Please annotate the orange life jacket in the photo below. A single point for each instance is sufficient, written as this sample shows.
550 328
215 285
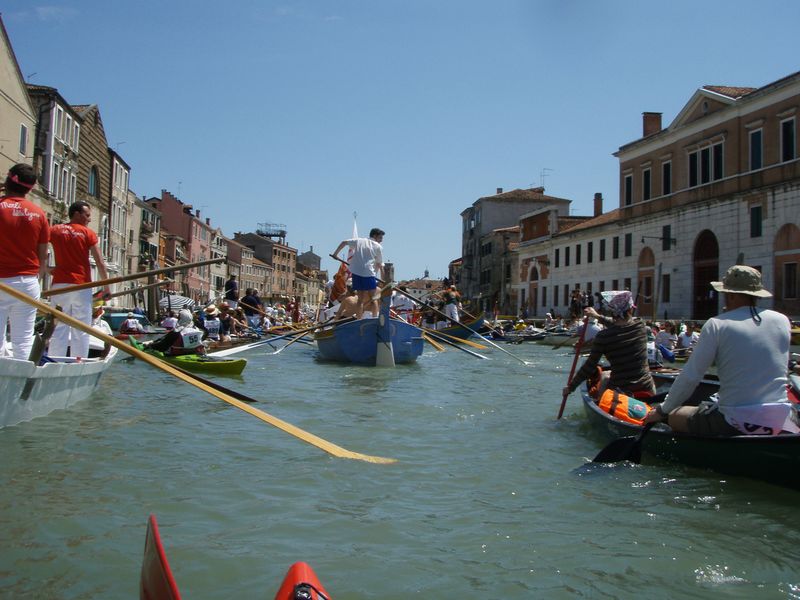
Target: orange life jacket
624 407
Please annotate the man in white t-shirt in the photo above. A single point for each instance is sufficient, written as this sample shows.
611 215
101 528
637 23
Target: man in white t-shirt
366 266
751 350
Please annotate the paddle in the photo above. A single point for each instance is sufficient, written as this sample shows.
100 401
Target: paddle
105 282
140 288
568 339
574 362
284 426
624 448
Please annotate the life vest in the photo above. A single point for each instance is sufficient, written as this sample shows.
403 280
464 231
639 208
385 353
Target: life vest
624 407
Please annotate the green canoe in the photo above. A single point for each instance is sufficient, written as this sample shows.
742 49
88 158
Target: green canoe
198 363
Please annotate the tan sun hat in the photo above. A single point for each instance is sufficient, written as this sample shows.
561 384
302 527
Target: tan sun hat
740 279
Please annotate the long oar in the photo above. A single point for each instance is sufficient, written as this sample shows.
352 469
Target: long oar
491 343
574 362
456 339
309 438
104 282
140 288
454 345
289 343
432 342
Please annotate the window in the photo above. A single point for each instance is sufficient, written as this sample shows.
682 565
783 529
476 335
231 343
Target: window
628 284
665 287
756 149
628 190
628 244
787 140
566 256
692 169
615 284
601 287
666 237
646 184
23 140
755 221
91 188
615 247
705 165
557 256
578 254
589 251
566 294
59 123
790 280
648 287
718 163
544 297
602 250
666 178
589 288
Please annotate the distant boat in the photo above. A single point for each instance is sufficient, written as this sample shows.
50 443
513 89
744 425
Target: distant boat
28 391
381 341
463 330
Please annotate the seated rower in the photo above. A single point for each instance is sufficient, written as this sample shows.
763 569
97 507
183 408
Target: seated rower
751 350
624 343
131 325
184 339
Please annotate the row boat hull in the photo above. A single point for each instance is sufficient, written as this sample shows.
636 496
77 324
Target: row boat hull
356 342
28 391
772 458
464 329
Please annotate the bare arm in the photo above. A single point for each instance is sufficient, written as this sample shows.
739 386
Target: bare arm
335 253
42 251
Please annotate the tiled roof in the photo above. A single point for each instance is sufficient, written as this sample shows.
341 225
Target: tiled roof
518 194
730 91
605 218
512 229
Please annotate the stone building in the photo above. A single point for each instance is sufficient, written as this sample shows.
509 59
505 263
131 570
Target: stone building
279 255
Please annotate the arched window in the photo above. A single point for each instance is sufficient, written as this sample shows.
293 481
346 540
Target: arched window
92 186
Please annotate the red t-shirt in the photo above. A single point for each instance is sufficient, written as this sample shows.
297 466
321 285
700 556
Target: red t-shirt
71 243
24 227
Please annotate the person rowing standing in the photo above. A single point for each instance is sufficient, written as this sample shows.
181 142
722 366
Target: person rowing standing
23 258
366 267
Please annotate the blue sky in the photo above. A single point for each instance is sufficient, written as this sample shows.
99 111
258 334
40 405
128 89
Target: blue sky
404 111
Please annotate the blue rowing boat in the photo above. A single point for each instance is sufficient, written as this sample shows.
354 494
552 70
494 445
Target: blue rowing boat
380 341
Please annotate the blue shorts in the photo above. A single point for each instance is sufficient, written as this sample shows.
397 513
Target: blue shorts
364 283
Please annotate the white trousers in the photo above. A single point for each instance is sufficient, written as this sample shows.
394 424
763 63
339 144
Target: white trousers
78 305
451 310
22 316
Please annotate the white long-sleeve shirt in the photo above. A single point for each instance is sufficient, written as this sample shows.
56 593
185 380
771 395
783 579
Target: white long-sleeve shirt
751 359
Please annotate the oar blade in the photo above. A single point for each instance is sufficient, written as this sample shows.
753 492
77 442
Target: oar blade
625 448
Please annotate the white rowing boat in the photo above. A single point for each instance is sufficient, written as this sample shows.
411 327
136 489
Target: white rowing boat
28 391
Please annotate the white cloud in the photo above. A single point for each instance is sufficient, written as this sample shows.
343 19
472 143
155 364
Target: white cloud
55 13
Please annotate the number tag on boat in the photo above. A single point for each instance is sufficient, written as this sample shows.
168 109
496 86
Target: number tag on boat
624 407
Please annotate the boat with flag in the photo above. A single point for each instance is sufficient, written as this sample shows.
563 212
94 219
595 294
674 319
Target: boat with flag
381 341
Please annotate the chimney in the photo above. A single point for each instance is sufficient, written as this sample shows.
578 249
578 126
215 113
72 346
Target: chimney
499 190
208 221
651 123
197 213
598 204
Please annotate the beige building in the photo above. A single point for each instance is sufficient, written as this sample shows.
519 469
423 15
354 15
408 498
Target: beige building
17 113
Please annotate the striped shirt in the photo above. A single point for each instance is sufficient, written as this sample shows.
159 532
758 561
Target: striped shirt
625 347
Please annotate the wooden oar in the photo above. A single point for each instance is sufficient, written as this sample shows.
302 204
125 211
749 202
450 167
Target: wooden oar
456 339
454 345
309 438
140 288
292 341
491 343
624 448
433 343
105 282
568 339
574 362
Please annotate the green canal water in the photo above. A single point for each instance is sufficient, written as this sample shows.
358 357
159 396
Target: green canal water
489 498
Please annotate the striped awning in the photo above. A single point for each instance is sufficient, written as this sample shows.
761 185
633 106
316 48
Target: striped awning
175 302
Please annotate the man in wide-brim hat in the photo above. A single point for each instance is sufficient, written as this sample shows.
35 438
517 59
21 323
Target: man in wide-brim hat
750 347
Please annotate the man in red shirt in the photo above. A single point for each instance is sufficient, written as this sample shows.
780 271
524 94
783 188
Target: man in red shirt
72 243
23 256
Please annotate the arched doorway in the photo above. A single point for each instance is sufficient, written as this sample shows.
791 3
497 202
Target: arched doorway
533 291
645 301
787 274
706 269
